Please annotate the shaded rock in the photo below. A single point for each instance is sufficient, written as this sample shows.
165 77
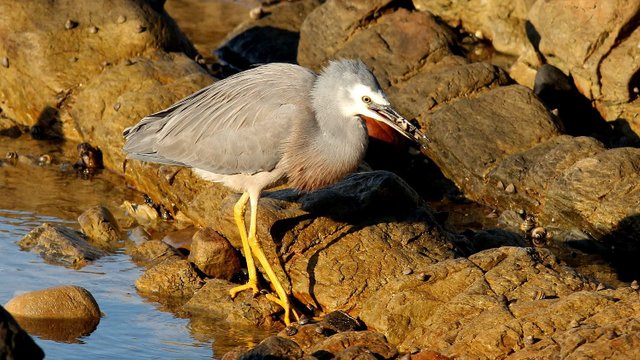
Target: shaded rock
339 321
498 297
501 22
272 38
152 252
15 343
30 94
206 23
213 255
355 353
597 44
99 225
181 240
273 347
60 245
213 301
62 302
169 281
358 341
558 93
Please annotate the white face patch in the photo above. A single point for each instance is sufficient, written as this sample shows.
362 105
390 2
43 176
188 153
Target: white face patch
356 106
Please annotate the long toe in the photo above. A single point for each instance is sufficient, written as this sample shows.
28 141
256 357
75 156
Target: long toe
250 285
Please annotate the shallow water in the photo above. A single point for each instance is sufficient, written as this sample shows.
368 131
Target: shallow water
131 326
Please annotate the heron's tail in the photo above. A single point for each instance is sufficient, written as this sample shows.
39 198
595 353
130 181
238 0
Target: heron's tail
141 139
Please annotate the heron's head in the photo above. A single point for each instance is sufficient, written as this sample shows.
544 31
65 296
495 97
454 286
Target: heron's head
356 93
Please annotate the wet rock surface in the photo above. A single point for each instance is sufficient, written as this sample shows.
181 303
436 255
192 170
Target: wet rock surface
15 343
60 245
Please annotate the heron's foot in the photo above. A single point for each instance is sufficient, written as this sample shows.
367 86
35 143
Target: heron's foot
288 310
253 285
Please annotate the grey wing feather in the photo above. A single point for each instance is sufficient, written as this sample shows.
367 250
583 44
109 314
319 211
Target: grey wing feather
236 125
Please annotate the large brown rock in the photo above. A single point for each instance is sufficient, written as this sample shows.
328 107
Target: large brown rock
500 21
395 44
357 234
74 42
498 302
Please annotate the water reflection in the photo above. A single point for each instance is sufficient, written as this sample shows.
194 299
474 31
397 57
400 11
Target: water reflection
131 326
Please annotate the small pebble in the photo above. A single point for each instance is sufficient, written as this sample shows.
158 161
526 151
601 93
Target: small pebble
70 24
5 61
200 59
414 350
44 159
116 106
407 271
635 285
574 324
93 29
141 28
611 335
73 59
256 13
529 340
510 189
290 330
304 320
600 287
121 19
423 276
320 329
105 63
500 185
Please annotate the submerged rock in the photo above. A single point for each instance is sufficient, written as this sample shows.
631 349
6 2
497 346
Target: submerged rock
60 245
15 343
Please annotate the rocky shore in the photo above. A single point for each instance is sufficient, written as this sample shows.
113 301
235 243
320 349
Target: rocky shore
544 147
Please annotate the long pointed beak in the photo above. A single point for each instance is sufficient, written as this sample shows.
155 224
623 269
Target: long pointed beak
391 117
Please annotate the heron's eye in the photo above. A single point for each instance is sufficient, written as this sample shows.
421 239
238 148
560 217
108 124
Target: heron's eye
366 99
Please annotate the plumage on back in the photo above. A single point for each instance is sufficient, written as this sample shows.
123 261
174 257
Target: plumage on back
229 127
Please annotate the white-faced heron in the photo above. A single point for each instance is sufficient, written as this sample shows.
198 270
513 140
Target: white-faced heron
267 125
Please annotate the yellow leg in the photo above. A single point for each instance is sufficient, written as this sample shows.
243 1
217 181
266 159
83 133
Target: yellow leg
282 299
238 214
